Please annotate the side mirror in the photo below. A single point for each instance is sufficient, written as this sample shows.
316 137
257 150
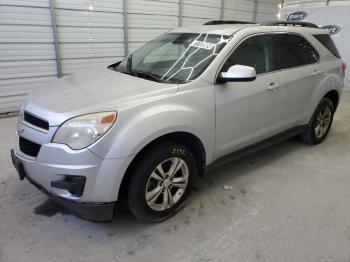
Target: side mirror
238 73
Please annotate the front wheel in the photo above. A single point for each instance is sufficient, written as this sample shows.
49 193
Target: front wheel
320 123
161 182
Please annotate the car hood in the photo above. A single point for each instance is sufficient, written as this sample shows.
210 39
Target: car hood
92 91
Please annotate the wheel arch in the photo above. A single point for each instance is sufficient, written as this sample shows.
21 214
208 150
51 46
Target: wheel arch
333 95
187 139
323 90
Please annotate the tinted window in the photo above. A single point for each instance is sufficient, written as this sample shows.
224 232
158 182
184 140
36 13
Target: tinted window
254 52
291 51
328 43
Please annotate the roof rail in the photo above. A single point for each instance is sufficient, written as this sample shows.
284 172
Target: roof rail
229 22
286 23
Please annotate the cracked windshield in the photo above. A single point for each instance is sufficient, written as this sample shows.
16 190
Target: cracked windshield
174 57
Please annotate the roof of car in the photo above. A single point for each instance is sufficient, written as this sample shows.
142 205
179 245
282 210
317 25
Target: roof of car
229 29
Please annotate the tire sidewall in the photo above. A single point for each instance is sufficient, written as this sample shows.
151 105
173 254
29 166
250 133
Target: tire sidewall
137 187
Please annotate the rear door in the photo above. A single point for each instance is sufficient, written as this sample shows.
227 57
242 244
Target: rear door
298 62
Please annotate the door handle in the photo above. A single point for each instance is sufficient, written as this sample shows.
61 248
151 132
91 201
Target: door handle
316 73
272 86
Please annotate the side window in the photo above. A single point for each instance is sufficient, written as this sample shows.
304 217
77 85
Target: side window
254 52
291 51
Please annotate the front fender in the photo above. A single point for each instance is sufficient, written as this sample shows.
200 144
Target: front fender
137 127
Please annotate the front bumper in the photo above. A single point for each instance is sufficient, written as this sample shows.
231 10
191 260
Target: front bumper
55 162
101 212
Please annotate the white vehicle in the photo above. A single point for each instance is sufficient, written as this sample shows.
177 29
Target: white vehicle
139 131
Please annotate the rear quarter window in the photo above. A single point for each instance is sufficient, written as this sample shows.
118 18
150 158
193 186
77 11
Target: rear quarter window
328 43
291 50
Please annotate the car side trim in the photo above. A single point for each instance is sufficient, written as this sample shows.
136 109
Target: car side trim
256 147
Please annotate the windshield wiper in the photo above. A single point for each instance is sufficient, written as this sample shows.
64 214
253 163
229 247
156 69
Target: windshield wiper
148 76
140 74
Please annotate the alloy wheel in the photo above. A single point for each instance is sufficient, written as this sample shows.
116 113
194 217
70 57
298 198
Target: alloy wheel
167 184
323 121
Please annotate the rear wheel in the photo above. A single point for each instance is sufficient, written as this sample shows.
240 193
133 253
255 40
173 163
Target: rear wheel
320 123
161 182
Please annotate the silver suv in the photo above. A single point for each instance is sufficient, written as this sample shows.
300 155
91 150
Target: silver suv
140 131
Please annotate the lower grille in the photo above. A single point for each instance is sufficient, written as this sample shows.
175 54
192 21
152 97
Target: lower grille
28 147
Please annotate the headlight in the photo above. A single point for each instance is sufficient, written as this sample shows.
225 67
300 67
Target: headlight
82 131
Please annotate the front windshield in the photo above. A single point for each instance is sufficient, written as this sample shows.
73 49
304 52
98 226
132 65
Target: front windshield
174 57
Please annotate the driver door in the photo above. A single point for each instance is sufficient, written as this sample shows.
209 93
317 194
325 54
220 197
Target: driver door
247 112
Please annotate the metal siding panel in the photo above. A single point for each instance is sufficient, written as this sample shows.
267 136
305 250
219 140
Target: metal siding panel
144 35
25 34
148 19
108 49
313 2
90 5
294 2
20 52
194 11
27 57
261 17
154 21
79 65
210 3
18 69
74 34
75 50
89 32
107 35
21 86
88 19
24 15
153 7
188 21
11 103
269 8
35 3
83 50
241 5
72 18
99 19
230 14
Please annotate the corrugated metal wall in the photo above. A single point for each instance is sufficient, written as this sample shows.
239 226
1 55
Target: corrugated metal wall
90 33
313 2
27 55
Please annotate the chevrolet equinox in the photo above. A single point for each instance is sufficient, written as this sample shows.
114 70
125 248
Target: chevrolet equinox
139 131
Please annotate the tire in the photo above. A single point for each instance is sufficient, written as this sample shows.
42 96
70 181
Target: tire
320 123
153 173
